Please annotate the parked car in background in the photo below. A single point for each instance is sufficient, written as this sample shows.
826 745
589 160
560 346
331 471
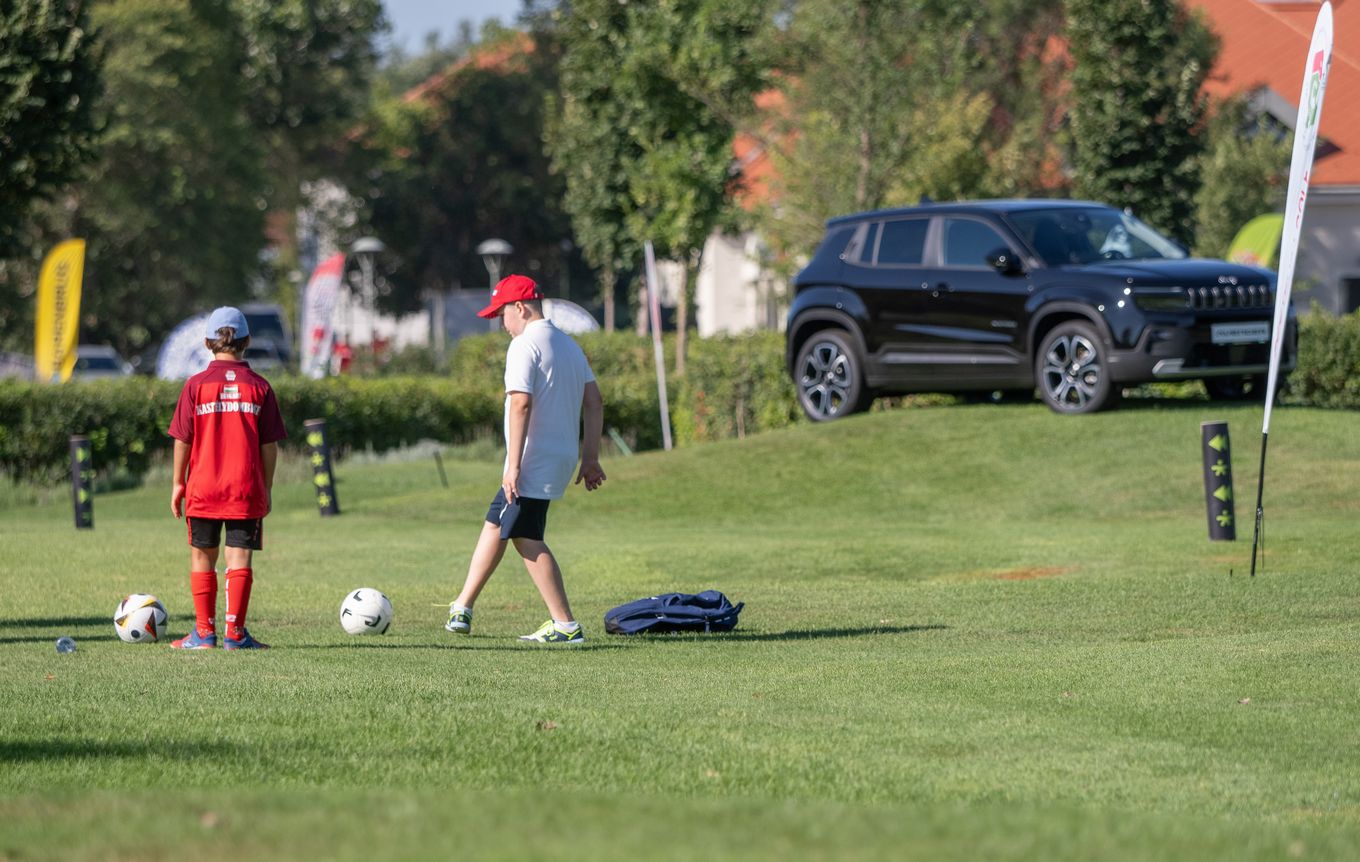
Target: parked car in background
1073 298
18 366
269 331
94 363
263 357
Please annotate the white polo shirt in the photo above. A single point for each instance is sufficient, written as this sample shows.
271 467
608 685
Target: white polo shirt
548 364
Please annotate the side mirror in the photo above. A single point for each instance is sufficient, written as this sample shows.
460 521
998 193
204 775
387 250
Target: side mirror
1005 261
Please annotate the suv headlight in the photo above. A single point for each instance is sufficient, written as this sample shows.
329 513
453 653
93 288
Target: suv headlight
1161 298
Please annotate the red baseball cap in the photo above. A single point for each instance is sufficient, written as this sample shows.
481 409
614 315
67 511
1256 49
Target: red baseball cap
512 288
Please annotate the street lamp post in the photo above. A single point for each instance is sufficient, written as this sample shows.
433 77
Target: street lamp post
493 252
365 250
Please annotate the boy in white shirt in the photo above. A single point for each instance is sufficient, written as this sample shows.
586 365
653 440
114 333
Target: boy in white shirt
549 387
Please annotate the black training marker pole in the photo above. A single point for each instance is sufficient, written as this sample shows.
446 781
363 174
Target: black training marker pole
1260 513
82 482
1218 491
326 501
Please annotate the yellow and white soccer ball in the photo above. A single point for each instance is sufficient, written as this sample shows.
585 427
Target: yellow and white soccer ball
140 618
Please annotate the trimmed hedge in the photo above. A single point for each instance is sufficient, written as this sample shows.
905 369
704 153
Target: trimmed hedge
126 420
734 386
1328 372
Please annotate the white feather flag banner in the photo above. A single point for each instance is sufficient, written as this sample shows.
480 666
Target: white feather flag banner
1300 170
1317 64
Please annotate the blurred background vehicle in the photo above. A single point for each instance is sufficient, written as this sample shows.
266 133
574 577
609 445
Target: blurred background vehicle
264 356
96 362
269 332
16 365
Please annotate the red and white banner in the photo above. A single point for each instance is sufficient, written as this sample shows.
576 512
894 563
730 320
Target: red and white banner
318 312
1300 168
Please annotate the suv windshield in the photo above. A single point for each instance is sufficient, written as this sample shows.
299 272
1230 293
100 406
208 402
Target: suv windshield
97 363
1079 235
264 326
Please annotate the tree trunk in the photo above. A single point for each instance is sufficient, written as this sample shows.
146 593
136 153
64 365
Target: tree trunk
866 144
682 309
609 279
644 315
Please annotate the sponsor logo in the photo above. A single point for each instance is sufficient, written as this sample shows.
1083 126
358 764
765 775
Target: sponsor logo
227 407
231 391
1315 88
231 375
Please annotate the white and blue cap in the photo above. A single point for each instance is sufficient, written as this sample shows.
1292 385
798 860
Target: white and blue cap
227 316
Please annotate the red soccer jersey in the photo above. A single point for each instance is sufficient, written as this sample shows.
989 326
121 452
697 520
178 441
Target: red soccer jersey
225 413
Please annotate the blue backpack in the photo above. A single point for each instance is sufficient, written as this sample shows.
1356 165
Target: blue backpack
709 611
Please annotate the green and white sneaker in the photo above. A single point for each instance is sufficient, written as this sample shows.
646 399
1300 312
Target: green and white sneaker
551 633
460 621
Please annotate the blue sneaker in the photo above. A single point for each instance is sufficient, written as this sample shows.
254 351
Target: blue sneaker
194 640
245 641
551 633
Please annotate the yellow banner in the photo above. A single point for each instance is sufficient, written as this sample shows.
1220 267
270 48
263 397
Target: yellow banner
58 326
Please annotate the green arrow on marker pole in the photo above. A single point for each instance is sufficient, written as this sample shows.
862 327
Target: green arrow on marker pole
1217 443
1223 493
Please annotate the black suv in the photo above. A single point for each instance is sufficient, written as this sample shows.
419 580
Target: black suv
1075 298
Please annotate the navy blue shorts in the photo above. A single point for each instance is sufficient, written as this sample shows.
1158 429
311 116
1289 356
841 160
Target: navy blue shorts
531 521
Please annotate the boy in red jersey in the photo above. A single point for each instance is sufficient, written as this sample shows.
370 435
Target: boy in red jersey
226 429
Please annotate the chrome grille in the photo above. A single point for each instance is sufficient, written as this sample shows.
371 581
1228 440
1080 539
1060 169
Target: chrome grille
1227 296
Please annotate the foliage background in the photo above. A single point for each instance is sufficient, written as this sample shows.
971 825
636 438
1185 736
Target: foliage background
734 387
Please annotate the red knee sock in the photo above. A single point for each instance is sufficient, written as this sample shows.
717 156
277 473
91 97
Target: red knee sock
204 587
238 600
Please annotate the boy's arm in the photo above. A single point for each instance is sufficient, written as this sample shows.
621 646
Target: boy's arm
592 413
177 478
269 457
518 414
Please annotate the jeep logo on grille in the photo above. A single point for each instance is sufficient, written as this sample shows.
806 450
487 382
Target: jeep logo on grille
1227 279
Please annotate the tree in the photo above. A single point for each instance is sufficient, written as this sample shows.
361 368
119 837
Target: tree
173 210
687 64
304 73
48 84
889 100
1245 173
1137 107
585 142
675 65
458 162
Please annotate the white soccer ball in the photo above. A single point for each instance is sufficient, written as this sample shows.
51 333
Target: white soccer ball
365 611
140 618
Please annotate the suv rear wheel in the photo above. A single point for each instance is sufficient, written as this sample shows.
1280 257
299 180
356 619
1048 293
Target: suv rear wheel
829 376
1071 370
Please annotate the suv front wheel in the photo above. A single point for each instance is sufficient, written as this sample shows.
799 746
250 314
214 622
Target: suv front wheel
1071 369
829 376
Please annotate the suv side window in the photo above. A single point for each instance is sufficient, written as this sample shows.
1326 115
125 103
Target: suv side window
903 242
967 242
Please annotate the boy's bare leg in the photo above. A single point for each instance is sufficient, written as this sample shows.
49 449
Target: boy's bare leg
547 577
238 558
485 558
203 559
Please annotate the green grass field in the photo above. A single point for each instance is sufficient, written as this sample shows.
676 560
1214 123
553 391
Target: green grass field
970 632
